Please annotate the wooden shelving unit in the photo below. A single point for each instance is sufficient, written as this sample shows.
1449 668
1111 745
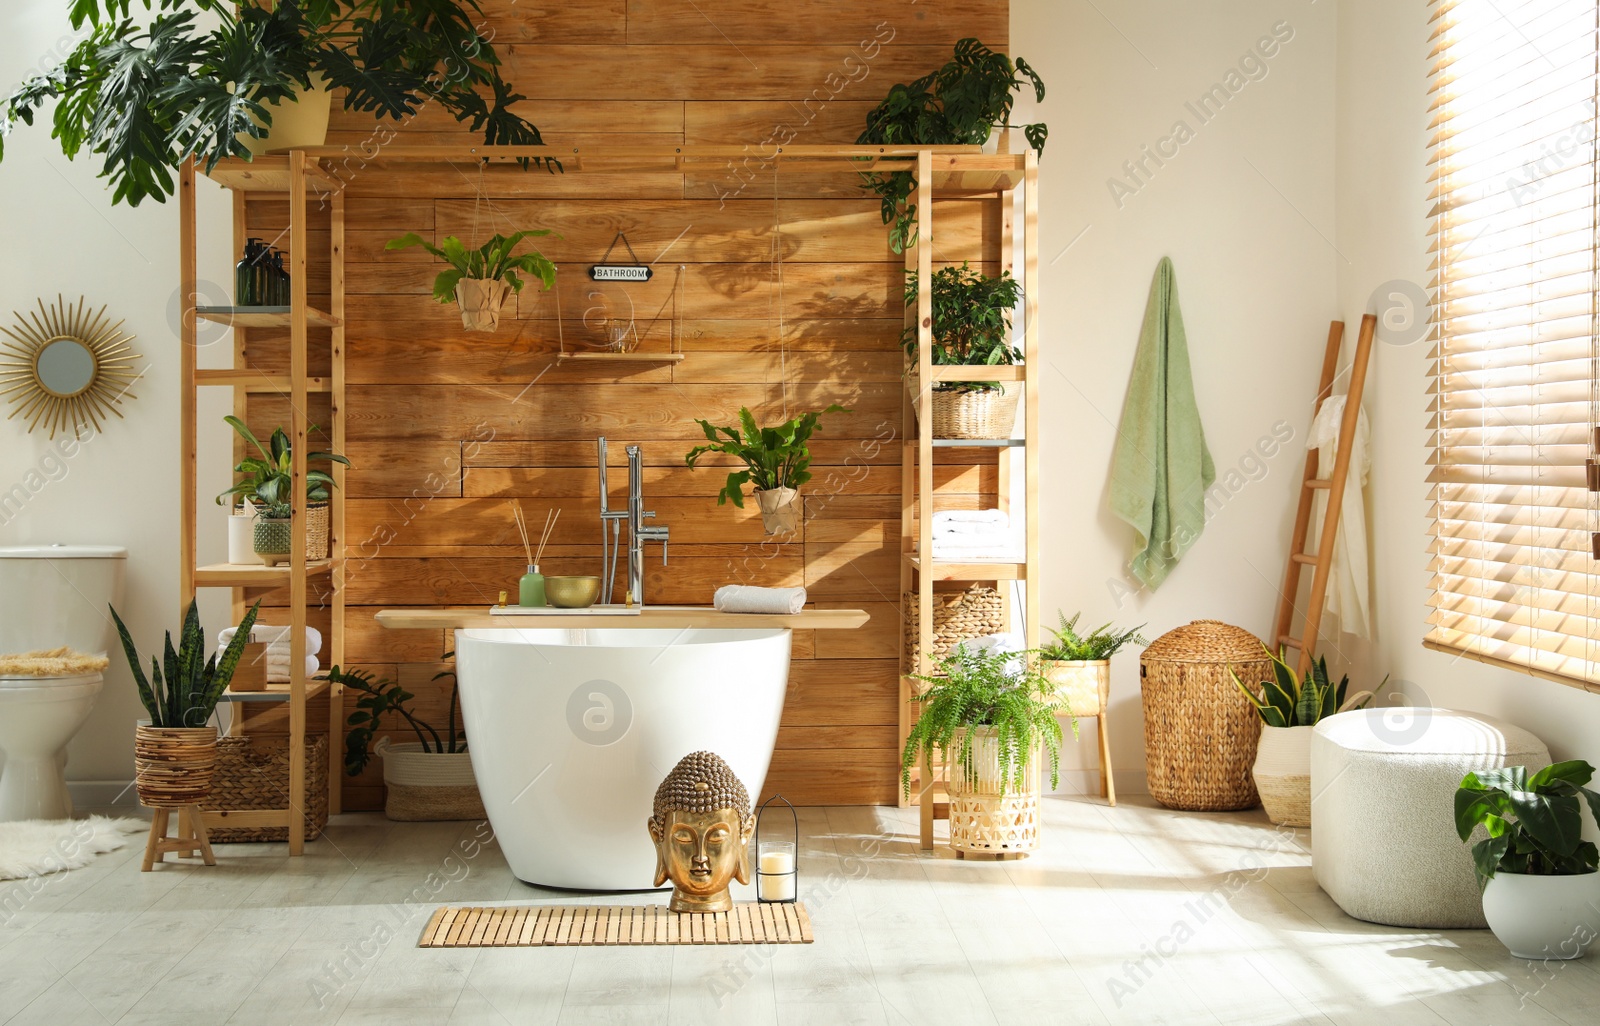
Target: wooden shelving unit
294 176
997 178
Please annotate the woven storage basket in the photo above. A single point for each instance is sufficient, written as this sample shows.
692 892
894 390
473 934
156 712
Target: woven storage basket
986 814
424 786
1200 732
173 766
988 413
957 616
317 521
253 773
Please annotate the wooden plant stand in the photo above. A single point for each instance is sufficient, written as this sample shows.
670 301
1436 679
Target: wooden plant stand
192 838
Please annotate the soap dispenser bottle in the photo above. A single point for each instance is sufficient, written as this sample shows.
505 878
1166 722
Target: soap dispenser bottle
280 280
245 275
531 588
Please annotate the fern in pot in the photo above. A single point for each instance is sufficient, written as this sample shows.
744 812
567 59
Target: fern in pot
1541 890
1290 709
777 460
481 280
427 779
972 315
990 716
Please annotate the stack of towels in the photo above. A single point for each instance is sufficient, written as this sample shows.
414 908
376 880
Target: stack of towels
277 641
976 535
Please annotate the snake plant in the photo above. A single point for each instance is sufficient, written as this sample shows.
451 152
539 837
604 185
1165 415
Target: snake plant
187 693
1285 702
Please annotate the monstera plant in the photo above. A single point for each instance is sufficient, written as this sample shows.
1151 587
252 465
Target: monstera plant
146 93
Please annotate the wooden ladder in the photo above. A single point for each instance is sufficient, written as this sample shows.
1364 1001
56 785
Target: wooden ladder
1310 484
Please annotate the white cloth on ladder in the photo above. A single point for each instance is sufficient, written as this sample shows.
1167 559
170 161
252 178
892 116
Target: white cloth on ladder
1349 593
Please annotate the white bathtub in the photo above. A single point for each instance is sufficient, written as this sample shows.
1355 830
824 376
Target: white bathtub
571 731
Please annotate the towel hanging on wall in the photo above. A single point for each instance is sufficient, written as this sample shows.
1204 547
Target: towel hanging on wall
1161 467
1349 595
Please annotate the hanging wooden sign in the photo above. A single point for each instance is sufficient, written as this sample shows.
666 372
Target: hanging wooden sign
635 271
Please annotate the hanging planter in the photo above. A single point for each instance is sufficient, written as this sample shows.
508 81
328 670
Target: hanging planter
777 461
481 280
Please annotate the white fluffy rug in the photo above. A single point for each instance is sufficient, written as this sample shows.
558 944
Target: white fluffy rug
34 847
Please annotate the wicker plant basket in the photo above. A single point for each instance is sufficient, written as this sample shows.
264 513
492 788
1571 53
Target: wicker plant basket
425 786
1082 686
317 521
957 616
1282 773
987 413
173 766
253 773
987 814
1200 733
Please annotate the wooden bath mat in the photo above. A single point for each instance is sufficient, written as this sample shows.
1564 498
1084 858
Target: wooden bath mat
556 925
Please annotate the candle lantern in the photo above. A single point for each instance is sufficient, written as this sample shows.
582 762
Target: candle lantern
777 859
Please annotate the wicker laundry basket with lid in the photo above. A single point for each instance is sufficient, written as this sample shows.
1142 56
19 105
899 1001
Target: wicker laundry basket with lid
1200 732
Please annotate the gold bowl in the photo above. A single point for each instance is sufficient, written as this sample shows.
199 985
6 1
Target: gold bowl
572 592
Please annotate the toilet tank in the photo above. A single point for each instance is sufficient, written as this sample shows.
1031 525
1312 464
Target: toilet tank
54 595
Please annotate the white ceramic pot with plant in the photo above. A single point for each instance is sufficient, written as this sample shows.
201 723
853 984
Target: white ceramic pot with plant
480 280
777 461
428 779
1290 711
989 716
1541 891
265 488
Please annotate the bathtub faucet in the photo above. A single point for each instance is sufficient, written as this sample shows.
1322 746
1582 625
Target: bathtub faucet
638 533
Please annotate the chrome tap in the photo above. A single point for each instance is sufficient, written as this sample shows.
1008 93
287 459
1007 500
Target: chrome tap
638 532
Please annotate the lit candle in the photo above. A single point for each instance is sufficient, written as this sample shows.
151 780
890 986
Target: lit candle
775 866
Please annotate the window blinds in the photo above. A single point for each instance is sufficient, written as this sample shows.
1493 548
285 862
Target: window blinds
1515 579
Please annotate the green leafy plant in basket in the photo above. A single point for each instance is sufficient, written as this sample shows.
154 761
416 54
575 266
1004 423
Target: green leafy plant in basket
1099 644
269 474
971 322
381 697
1285 701
1003 691
183 689
959 104
495 260
1533 822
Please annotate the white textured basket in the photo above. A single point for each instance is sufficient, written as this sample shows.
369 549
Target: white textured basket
424 786
1282 773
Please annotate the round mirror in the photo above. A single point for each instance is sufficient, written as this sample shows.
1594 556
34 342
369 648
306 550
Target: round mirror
65 367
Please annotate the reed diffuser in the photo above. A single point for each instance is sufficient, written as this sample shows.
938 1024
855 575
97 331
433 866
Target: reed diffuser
530 590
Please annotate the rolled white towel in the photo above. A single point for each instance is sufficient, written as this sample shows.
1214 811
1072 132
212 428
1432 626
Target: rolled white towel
971 516
747 598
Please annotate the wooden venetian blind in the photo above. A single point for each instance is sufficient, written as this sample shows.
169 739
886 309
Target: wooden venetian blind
1515 578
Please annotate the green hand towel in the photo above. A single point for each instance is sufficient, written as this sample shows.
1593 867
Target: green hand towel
1161 469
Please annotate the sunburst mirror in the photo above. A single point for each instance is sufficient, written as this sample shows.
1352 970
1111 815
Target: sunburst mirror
66 367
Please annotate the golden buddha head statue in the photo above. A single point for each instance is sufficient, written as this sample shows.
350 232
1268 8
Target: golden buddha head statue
701 826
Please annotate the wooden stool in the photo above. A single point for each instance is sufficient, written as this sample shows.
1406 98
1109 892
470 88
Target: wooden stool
192 838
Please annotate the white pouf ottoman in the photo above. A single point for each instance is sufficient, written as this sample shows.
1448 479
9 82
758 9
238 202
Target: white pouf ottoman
1383 836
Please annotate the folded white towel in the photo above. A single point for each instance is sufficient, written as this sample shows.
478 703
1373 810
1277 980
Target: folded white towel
278 669
1008 549
276 638
967 529
971 516
747 598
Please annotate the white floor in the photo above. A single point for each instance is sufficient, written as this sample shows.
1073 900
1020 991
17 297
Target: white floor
901 938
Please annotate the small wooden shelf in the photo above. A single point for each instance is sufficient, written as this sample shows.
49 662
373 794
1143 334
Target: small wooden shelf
972 571
237 575
258 381
965 372
268 173
274 693
620 357
649 618
979 443
262 316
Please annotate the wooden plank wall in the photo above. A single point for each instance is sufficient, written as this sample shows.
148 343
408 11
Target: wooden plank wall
785 297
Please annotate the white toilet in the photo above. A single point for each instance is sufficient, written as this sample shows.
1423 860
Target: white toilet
50 595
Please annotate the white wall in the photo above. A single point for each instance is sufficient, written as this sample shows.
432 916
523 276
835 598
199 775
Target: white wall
62 235
1382 207
1246 211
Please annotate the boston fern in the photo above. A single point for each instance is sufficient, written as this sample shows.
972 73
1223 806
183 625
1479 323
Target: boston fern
959 104
187 694
1534 823
1283 702
971 321
145 94
381 697
1100 644
775 457
1003 691
492 261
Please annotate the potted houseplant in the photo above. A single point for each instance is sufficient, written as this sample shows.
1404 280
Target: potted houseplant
265 491
146 97
428 779
971 327
1080 665
962 103
481 279
776 459
988 714
1541 893
1289 711
175 754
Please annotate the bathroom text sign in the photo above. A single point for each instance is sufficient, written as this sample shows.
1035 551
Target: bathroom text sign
620 272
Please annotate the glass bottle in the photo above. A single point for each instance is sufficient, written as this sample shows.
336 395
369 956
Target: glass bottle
245 291
531 588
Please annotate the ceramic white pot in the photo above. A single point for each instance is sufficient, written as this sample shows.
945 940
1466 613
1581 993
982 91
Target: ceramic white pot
1282 774
297 122
241 536
1544 916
